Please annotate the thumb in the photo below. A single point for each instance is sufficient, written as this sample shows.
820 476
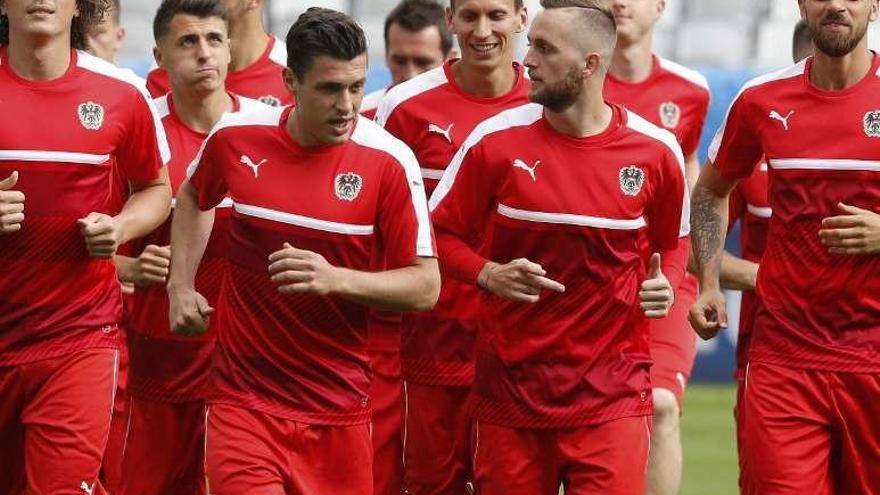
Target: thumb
9 182
90 218
852 210
287 245
205 309
654 266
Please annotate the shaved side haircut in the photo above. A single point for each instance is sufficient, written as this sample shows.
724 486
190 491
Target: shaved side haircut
595 28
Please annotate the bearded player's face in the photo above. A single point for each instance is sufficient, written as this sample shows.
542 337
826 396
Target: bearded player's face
39 18
838 26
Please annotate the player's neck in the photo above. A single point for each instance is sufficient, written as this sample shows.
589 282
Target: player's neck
201 111
42 61
482 82
633 62
838 73
249 41
589 116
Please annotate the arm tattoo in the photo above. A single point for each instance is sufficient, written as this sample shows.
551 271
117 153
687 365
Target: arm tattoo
707 231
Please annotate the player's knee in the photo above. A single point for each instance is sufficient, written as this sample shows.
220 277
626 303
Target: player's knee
666 411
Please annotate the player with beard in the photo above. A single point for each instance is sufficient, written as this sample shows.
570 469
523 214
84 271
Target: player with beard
257 62
583 204
675 98
808 411
433 113
70 122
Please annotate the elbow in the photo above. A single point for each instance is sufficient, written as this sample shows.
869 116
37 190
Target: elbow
428 292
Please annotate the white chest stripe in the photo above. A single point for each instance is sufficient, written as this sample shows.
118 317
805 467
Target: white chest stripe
760 212
824 164
303 221
570 219
52 157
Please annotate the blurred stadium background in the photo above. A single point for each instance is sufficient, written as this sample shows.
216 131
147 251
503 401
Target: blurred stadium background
729 41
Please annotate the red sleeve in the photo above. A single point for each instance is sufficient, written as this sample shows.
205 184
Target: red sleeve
691 140
157 83
144 149
403 219
668 213
736 149
460 209
206 174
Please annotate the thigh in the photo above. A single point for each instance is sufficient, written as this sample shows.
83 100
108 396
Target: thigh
786 439
12 478
436 439
858 411
164 448
673 349
318 453
246 452
610 458
514 461
67 421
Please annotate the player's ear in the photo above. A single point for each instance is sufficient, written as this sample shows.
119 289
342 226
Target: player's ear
661 7
290 80
157 56
523 18
450 13
874 10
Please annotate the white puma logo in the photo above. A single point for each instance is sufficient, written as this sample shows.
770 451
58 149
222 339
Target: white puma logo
86 488
447 133
531 170
776 116
246 160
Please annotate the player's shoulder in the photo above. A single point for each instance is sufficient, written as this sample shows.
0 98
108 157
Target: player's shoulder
371 100
506 120
774 80
686 75
409 91
653 134
248 117
371 135
162 106
246 104
110 75
278 52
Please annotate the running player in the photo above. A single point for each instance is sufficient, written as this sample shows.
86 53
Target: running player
574 195
416 40
677 99
70 122
258 58
808 411
315 191
164 444
433 113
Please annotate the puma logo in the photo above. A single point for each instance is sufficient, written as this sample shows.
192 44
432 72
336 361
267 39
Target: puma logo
246 160
776 116
447 133
86 488
531 170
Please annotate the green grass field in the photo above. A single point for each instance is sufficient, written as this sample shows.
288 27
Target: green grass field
709 439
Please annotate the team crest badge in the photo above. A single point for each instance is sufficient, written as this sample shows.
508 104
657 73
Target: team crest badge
348 186
670 115
270 100
91 115
872 124
631 180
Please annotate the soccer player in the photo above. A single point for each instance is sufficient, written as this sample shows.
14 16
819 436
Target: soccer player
417 40
574 195
749 205
258 58
105 37
316 189
677 99
164 444
808 412
433 113
69 121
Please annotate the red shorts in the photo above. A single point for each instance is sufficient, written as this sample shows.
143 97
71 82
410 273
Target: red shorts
610 458
386 392
257 454
111 469
436 440
806 431
674 346
54 422
164 450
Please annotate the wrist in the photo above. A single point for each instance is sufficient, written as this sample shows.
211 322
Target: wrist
485 274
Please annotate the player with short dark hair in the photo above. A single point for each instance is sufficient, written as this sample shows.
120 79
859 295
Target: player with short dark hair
105 37
258 58
316 189
433 113
808 411
582 203
71 122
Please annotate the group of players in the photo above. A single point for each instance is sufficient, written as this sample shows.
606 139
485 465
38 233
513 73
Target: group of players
551 197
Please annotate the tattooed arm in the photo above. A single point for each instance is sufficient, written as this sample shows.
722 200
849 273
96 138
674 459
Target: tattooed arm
709 202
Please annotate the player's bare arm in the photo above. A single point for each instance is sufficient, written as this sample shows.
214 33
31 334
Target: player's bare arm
708 226
737 273
150 267
11 205
855 231
520 280
411 288
190 230
147 207
656 295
